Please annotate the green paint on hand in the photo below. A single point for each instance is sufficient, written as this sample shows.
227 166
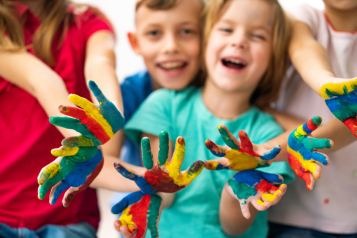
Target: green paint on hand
316 120
164 147
227 139
146 151
242 190
153 215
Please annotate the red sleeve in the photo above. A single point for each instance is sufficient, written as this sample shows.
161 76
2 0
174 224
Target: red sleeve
92 21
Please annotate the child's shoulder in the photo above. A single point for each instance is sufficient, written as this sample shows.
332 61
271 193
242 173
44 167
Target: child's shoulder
172 96
140 79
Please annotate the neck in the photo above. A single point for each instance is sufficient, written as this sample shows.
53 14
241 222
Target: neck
35 6
223 104
342 20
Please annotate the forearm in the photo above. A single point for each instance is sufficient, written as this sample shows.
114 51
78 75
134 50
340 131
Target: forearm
309 58
37 79
231 218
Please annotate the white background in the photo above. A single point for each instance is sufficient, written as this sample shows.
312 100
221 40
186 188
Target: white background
121 14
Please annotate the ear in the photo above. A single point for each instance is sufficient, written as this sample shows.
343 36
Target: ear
133 40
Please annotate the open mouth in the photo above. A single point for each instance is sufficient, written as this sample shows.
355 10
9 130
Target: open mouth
172 65
234 63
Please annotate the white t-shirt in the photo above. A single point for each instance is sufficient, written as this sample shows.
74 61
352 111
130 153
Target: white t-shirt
331 206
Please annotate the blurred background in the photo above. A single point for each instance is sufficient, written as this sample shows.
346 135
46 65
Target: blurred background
121 14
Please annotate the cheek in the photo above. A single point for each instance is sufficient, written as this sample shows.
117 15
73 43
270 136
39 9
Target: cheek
212 52
261 56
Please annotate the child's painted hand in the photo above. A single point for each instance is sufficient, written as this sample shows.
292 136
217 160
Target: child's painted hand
75 168
341 99
140 212
96 123
301 155
238 155
161 175
256 187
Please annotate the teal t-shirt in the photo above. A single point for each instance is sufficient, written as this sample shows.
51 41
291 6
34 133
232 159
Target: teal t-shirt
195 210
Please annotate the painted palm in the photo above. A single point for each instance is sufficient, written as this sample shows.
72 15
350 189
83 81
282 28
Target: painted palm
341 99
79 160
162 175
301 155
256 187
75 168
141 209
237 155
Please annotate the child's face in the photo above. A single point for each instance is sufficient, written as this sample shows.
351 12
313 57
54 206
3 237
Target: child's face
239 46
341 4
169 42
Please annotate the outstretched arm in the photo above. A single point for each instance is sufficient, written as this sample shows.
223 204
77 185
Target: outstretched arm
38 79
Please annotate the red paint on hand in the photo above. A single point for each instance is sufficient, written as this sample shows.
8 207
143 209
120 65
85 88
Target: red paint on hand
139 213
247 146
161 181
351 123
264 186
300 171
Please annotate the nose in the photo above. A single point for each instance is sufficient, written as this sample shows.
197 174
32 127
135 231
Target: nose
239 40
171 45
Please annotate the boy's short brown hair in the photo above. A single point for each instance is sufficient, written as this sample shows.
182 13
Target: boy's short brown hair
156 4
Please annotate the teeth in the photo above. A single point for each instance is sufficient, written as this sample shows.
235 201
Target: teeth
171 65
235 61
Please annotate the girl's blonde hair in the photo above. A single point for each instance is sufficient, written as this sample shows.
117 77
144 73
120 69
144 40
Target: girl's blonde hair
269 86
54 17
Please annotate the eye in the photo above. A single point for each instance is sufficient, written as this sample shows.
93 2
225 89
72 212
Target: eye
258 36
153 33
227 30
187 31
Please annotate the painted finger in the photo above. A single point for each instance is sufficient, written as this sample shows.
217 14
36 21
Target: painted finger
259 204
124 230
126 173
245 142
193 171
174 167
61 152
219 151
312 143
164 147
79 141
308 127
217 164
271 154
97 92
146 153
282 188
93 113
351 123
86 153
315 169
48 173
73 112
57 190
69 195
320 157
228 138
126 202
43 189
70 123
153 215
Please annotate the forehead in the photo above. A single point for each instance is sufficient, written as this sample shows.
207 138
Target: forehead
250 12
183 11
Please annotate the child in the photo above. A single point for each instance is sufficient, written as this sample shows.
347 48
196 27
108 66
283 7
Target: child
48 49
243 42
329 209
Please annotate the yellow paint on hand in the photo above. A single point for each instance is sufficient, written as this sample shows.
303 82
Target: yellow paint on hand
337 88
65 151
269 197
241 161
93 112
174 167
300 132
306 164
49 172
125 219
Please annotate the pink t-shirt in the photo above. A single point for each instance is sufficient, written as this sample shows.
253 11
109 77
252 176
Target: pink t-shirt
27 137
331 206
